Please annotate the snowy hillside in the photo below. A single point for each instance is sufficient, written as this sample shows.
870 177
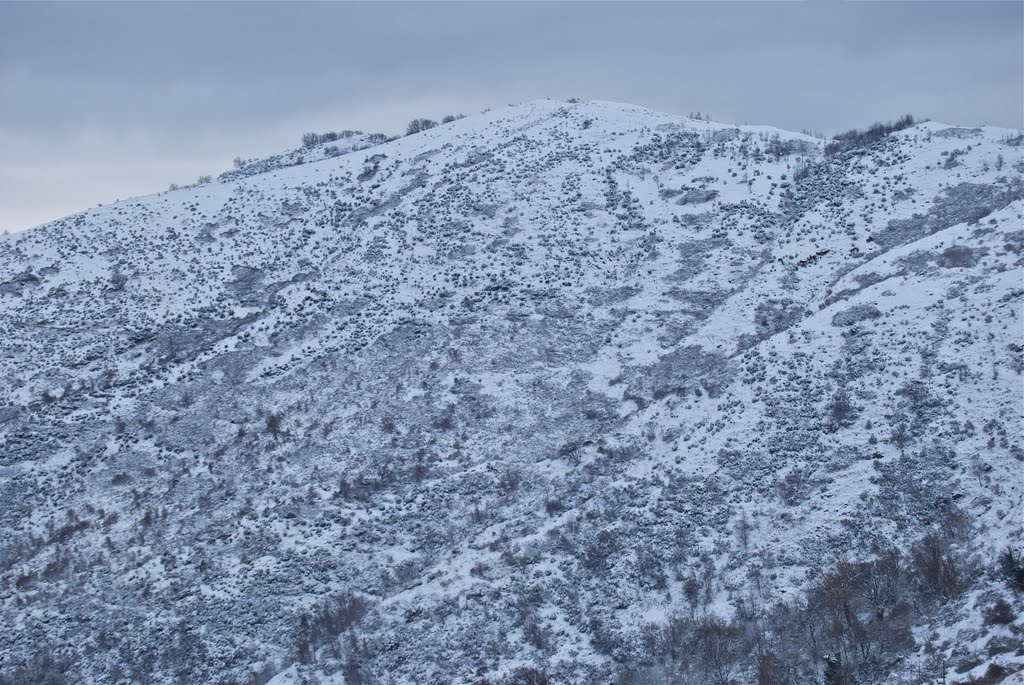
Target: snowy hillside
562 392
316 148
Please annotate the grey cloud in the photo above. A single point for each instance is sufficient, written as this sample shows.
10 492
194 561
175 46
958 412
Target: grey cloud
179 83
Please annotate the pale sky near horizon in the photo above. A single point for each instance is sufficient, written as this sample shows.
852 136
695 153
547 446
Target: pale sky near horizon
101 101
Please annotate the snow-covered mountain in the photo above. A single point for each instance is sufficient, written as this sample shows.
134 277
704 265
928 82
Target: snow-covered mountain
562 392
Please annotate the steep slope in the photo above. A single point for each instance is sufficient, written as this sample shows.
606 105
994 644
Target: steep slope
527 390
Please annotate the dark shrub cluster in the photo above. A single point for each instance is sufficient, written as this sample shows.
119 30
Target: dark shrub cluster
1011 564
852 627
314 139
857 139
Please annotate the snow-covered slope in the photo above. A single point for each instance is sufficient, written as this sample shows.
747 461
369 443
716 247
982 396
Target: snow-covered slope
555 391
317 148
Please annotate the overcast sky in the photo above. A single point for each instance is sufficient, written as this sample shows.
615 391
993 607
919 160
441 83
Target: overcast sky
106 101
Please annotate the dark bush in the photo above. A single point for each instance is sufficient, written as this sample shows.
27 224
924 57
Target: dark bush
857 139
417 125
841 411
1000 613
937 571
314 139
1012 569
717 648
326 621
43 668
527 675
958 256
273 421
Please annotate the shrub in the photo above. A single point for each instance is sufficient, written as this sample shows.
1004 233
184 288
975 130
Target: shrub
841 411
717 649
326 621
527 675
995 673
1012 569
937 571
309 139
857 139
553 506
274 420
418 125
1000 613
44 668
836 672
957 256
